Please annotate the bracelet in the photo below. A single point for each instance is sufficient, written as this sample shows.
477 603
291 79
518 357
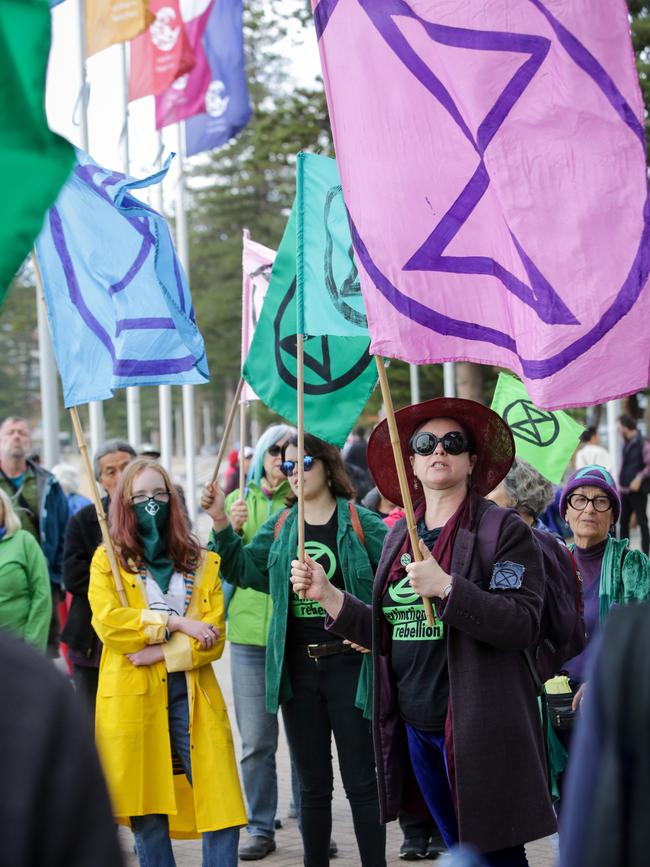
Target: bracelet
446 591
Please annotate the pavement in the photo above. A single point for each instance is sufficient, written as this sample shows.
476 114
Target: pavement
289 844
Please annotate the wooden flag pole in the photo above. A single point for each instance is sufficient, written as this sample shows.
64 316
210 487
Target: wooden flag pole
99 508
226 430
401 475
83 448
300 394
242 444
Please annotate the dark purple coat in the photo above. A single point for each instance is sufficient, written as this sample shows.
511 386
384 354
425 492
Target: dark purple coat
500 764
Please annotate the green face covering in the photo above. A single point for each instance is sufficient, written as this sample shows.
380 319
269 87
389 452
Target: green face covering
152 518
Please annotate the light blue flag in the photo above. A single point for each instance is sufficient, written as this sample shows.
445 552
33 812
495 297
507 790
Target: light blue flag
118 301
328 289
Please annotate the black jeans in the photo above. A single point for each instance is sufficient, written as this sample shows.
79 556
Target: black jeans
85 679
636 502
322 704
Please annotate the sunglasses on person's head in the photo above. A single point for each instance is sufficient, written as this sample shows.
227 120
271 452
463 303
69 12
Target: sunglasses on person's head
274 451
454 442
287 467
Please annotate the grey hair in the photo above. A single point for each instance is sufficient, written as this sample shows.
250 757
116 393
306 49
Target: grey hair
527 489
109 448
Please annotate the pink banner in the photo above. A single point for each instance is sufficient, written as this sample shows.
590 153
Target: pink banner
492 157
186 96
161 54
257 263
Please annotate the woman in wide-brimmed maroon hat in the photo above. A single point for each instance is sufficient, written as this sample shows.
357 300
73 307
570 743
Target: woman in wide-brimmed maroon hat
455 720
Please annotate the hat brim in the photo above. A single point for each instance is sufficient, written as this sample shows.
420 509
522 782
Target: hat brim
491 437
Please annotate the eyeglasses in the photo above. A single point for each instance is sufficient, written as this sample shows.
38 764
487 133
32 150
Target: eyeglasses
287 467
453 442
274 451
156 497
579 502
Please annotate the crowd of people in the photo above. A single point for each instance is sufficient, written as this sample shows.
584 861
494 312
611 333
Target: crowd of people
462 720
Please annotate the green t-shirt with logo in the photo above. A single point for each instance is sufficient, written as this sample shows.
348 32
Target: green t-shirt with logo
307 618
418 651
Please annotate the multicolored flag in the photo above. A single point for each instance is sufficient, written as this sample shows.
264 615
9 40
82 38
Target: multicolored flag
547 440
492 158
329 292
257 263
339 373
118 301
226 109
111 21
162 53
186 96
35 161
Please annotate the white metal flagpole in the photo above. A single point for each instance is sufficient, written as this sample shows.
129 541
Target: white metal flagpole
95 407
133 412
165 412
188 390
47 371
449 378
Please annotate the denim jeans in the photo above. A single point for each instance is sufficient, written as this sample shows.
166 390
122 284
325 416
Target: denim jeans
259 737
323 704
151 832
427 753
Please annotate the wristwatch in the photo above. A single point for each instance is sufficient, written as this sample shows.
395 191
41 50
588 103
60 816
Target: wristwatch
446 591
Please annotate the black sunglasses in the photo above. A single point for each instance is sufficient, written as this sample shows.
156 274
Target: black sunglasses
287 467
274 451
453 442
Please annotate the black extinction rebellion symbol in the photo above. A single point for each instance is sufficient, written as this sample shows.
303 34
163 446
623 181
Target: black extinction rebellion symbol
536 426
330 374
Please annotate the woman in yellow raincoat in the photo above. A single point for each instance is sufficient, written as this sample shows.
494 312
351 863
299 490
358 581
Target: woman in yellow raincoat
161 724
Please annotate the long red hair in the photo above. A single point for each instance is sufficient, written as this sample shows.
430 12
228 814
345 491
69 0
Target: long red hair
183 548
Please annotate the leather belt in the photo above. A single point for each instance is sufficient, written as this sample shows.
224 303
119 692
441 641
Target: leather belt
328 648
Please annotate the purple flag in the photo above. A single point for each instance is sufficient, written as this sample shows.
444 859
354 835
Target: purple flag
492 157
226 109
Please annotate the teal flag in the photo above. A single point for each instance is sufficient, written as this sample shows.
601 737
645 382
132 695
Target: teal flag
329 292
340 374
545 439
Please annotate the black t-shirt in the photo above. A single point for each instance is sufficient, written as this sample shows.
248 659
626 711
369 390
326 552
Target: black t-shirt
418 652
307 618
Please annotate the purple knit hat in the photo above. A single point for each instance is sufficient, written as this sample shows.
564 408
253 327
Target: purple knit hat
597 477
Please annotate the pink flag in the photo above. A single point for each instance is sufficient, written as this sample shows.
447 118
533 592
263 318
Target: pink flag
492 157
185 97
162 53
257 263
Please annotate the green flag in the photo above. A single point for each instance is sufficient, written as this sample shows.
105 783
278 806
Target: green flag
339 372
35 161
329 292
545 439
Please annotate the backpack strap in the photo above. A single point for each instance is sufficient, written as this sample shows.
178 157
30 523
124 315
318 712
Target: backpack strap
279 524
356 524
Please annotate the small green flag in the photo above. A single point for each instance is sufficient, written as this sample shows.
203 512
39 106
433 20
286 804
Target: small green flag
329 291
340 374
543 438
35 161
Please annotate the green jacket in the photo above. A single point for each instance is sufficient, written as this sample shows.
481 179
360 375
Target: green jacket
25 595
249 611
265 564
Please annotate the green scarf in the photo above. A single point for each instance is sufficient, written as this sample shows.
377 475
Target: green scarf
152 523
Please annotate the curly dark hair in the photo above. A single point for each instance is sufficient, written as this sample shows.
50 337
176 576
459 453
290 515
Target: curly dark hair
337 476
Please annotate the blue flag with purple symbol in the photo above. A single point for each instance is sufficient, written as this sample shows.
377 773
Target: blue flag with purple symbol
118 301
227 109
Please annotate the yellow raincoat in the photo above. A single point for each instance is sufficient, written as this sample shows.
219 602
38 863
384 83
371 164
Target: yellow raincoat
131 719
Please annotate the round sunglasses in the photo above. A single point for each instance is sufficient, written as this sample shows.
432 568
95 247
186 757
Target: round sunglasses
453 442
274 451
287 467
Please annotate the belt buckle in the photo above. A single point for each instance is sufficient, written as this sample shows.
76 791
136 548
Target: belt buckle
309 650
